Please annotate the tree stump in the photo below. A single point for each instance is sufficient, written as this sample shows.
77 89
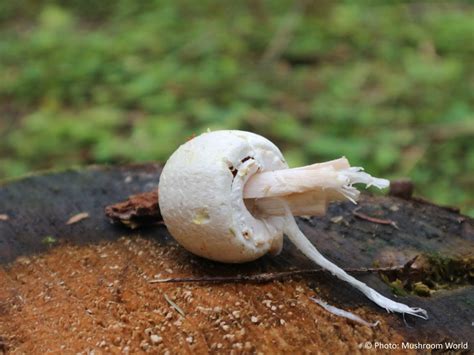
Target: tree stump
84 285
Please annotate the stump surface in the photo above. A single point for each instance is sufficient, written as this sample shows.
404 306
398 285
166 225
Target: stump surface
85 285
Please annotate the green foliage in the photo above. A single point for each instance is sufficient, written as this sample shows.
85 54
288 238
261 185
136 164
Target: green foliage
389 86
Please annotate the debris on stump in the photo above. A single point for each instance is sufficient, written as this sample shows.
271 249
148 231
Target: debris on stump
139 210
112 269
77 218
402 188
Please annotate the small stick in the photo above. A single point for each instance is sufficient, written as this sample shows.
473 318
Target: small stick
264 277
374 219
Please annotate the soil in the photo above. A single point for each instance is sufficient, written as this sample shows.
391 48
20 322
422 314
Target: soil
98 298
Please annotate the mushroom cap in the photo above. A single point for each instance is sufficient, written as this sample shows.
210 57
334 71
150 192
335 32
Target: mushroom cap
201 196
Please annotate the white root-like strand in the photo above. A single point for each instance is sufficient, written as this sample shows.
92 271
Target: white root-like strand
342 313
304 245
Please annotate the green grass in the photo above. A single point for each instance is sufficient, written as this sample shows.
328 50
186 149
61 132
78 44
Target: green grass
389 86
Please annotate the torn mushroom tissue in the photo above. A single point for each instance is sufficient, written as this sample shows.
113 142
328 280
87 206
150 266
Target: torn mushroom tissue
229 196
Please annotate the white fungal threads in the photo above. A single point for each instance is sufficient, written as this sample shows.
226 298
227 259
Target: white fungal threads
229 196
342 313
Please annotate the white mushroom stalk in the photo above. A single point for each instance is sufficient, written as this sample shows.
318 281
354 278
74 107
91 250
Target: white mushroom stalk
229 196
307 189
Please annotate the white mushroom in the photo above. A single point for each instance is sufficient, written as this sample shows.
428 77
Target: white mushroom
229 196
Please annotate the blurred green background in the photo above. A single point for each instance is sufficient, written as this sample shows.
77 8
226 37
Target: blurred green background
388 84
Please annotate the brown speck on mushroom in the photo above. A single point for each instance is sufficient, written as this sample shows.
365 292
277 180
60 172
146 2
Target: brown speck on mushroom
233 171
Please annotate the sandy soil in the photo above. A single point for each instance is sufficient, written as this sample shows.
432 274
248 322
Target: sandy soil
97 298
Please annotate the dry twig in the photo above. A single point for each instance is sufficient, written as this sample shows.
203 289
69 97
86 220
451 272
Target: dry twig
267 276
374 219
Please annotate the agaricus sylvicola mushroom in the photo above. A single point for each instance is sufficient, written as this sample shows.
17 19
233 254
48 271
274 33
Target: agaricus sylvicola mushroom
229 196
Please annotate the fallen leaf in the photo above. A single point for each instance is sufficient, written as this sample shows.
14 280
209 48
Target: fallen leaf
138 211
78 217
4 217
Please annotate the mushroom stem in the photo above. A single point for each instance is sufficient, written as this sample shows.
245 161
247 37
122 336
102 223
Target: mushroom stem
307 190
311 203
303 244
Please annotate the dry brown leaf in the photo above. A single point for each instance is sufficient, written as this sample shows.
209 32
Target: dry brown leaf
4 217
78 217
138 211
